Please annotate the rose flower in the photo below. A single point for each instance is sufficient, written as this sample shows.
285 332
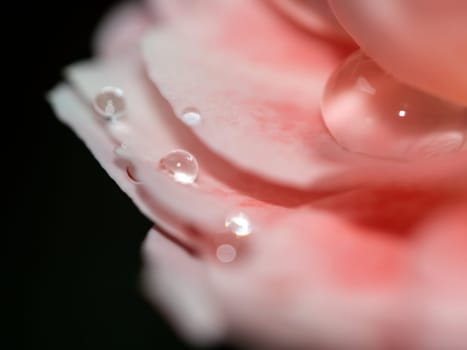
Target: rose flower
304 165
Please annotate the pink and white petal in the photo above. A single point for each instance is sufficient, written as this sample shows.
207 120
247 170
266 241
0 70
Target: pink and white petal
71 110
179 285
210 202
280 128
170 10
122 29
150 131
344 277
314 15
331 241
262 113
440 283
339 282
198 321
77 115
396 210
421 42
337 285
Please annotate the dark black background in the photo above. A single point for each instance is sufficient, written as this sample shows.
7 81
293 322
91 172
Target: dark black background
76 237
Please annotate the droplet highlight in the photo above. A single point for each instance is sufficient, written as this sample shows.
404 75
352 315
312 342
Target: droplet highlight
239 224
191 117
368 111
110 103
181 165
122 151
226 253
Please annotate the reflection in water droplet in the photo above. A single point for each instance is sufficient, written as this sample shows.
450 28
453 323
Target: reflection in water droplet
110 103
181 166
191 117
226 253
367 111
365 86
239 224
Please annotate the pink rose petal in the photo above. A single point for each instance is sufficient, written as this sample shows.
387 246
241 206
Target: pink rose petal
319 269
440 283
278 133
329 273
422 42
150 131
179 285
78 116
237 121
121 29
314 15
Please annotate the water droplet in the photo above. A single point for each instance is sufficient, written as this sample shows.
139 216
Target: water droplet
130 171
367 111
191 117
226 253
181 165
110 103
239 224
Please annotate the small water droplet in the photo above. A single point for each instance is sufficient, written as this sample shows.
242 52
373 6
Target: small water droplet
367 111
130 171
191 117
239 224
110 103
226 253
181 165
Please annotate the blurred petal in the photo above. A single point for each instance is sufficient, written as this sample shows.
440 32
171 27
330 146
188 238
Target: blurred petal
121 29
422 42
440 283
169 10
336 284
314 15
179 285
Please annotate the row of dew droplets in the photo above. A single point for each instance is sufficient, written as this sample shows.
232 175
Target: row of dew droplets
179 164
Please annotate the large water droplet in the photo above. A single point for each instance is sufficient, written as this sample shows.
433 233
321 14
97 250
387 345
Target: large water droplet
110 103
367 111
226 253
191 117
181 165
239 224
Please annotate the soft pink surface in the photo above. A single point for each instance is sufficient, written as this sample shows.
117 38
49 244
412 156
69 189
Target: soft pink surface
422 42
348 251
